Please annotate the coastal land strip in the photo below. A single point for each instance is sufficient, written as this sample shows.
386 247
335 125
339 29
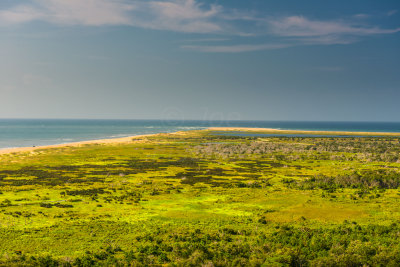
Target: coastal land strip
139 138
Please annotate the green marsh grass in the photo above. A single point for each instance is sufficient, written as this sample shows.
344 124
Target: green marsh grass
195 198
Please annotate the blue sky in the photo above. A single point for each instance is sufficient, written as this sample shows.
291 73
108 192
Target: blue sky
200 59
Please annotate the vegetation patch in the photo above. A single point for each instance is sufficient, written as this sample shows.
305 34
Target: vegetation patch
199 199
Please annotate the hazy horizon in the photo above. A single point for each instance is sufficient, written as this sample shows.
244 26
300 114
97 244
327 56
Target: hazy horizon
201 120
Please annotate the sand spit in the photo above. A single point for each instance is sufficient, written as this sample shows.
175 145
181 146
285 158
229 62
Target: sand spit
137 138
277 131
129 139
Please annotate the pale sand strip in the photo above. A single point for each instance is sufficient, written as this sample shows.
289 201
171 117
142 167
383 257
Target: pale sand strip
121 140
277 131
131 139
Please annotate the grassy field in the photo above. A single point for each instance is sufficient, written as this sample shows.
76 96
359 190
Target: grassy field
196 198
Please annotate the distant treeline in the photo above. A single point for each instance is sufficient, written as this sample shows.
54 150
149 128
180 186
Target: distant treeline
298 148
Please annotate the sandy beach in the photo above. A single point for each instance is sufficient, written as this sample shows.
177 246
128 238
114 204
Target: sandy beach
136 138
121 140
278 131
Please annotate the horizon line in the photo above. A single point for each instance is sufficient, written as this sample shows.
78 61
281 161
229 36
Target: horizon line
202 120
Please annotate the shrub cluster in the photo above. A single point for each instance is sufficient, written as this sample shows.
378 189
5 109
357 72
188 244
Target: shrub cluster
347 244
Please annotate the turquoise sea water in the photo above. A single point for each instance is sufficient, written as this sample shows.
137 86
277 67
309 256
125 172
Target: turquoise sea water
37 132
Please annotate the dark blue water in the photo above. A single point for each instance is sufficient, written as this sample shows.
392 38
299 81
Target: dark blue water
35 132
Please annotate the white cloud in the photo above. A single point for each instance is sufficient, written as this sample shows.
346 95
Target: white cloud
19 14
304 31
174 15
392 12
234 48
326 40
301 31
183 9
191 16
299 26
71 12
177 15
361 16
200 40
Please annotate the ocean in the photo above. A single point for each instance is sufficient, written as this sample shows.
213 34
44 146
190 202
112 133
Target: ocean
39 132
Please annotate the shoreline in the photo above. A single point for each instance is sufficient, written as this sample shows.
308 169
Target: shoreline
279 131
129 139
119 140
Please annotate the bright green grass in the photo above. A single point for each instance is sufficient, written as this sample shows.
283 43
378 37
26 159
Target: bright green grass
68 202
